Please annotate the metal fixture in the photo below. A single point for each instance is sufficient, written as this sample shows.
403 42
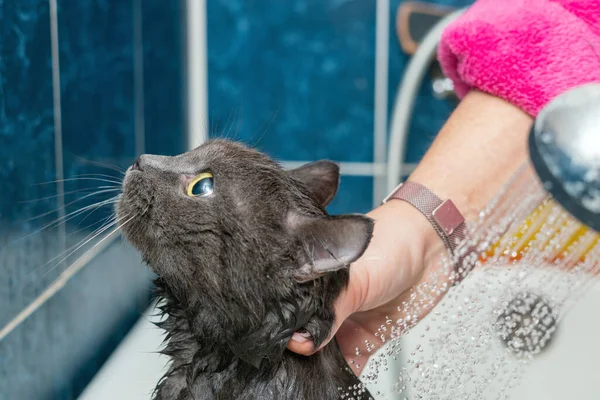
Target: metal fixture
564 146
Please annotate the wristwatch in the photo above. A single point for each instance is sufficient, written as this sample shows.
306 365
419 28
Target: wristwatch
443 215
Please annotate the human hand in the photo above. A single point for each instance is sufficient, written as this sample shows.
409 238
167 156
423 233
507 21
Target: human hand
490 135
397 258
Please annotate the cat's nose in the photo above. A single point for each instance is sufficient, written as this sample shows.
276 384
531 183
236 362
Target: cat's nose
137 165
147 162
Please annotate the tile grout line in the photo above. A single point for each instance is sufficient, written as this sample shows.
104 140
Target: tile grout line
138 78
58 284
196 70
382 38
57 110
355 168
104 242
347 168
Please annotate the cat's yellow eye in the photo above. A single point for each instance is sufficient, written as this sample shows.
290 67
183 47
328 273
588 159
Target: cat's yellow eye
202 185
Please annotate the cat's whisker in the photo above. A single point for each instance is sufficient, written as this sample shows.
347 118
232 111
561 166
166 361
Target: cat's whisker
113 188
211 126
239 120
100 164
225 127
116 182
145 210
71 215
100 232
94 235
61 254
70 203
112 177
60 281
116 198
264 132
87 227
206 129
51 289
128 221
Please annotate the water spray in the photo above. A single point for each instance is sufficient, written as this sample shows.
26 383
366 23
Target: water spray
528 258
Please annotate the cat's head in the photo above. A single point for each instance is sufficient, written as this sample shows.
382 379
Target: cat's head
243 243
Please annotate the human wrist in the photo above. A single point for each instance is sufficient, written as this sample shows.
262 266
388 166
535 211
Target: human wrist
425 239
422 241
393 260
442 216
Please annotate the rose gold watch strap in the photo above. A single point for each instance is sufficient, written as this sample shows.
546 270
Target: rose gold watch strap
445 218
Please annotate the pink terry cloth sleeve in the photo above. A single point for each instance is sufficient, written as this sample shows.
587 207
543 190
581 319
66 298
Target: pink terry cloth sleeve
524 51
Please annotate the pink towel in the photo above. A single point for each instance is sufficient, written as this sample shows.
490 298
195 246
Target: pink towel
524 51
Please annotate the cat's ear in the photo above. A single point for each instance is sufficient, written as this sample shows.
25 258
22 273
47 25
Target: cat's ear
329 243
322 178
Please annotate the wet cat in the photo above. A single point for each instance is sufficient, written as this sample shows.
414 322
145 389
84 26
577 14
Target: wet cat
245 256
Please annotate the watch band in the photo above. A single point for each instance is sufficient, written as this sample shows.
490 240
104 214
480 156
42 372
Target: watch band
443 215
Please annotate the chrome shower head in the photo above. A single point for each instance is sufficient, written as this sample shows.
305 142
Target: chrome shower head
564 147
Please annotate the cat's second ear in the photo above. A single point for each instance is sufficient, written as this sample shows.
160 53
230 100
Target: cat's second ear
330 243
322 178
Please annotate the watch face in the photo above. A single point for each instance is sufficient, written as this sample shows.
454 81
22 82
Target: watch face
447 216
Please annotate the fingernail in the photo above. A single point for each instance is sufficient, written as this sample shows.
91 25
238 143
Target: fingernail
301 337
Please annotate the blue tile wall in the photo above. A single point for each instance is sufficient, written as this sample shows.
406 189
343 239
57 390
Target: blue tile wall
355 194
294 78
297 80
96 49
163 46
54 352
97 45
96 74
26 154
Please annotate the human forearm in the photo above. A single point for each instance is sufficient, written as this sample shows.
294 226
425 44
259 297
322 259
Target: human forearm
477 150
480 146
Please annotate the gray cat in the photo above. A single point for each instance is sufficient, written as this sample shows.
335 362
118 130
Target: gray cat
245 256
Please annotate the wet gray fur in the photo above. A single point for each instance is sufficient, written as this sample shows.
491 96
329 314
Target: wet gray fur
241 270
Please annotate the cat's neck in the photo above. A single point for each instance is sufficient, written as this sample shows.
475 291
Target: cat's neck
181 344
206 369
